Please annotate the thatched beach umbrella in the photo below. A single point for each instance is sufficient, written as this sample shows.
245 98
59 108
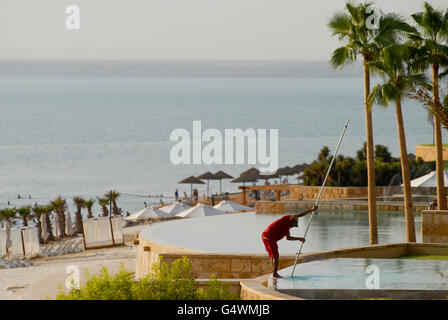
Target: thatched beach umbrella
255 173
207 176
299 169
191 180
285 171
269 176
244 179
250 172
220 175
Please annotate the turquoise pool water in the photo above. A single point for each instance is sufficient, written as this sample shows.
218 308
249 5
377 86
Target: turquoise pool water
344 273
241 233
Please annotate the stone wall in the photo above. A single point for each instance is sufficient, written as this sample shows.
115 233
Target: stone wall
428 153
298 192
224 266
293 206
435 226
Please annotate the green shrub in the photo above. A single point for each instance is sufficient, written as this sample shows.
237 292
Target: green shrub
352 172
167 282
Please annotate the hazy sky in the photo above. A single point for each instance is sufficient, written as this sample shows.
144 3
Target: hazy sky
176 29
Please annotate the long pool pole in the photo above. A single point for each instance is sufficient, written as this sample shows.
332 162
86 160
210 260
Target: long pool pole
320 193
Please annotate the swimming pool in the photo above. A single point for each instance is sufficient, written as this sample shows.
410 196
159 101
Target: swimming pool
358 273
241 233
355 278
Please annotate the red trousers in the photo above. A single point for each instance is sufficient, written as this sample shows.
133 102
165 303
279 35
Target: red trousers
271 247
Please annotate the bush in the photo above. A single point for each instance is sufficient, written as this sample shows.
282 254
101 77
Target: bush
349 172
167 282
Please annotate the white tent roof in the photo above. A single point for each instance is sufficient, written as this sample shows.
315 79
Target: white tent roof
200 210
429 180
229 206
146 213
175 208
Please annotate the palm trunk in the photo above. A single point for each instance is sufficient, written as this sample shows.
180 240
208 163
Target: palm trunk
371 188
49 227
115 208
89 214
25 221
78 221
408 210
62 223
441 196
39 230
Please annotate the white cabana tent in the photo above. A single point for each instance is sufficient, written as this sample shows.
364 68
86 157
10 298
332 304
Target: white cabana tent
174 208
229 206
146 213
24 242
200 210
102 232
429 180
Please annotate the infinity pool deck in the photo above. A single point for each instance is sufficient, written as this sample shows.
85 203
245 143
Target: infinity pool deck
229 247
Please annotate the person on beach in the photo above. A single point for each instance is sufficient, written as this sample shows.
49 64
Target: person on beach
176 195
278 230
196 195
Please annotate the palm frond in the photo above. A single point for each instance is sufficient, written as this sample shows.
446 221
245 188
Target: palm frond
342 56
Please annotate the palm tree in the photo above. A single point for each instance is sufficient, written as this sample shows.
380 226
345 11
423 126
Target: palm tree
25 214
7 214
89 204
37 213
79 203
395 67
360 40
104 202
430 38
60 206
113 195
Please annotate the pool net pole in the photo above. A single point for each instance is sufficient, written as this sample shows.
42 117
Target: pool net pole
320 193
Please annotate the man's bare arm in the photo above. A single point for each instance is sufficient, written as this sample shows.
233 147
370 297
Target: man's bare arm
304 213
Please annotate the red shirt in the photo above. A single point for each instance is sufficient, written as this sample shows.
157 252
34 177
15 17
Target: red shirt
278 229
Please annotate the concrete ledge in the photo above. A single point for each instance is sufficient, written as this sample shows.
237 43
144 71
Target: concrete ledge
354 294
254 290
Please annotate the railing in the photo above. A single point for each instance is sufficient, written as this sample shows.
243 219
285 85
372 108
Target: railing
278 189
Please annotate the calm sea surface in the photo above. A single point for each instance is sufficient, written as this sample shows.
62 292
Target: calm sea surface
84 135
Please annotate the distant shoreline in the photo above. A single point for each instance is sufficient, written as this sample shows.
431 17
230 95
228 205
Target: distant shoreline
179 69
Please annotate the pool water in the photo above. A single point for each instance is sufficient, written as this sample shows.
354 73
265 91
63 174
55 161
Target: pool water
241 233
348 273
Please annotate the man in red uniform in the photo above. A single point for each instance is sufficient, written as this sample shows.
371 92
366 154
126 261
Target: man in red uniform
276 231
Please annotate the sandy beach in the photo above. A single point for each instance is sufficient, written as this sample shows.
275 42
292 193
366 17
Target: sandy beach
41 280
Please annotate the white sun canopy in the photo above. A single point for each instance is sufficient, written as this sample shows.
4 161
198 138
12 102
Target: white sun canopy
174 208
229 206
200 210
429 180
147 213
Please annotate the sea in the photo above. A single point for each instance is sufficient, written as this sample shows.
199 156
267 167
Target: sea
78 132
